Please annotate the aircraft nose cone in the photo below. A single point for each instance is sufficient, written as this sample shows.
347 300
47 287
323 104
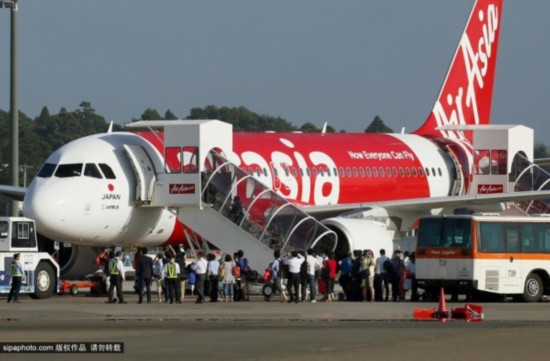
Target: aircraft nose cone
47 207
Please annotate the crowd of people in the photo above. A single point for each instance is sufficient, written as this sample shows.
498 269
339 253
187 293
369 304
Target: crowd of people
170 272
296 277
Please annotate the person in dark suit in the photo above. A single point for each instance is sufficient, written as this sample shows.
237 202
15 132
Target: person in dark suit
144 273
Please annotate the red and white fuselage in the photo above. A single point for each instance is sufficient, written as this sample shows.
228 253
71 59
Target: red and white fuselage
308 169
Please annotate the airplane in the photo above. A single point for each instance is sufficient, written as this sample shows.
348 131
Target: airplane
85 193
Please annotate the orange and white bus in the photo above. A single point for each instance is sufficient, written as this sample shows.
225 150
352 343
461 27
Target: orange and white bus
495 254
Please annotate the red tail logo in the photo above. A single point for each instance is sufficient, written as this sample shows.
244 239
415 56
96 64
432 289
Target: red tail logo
465 97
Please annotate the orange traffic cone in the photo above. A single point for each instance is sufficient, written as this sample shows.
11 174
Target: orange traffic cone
442 312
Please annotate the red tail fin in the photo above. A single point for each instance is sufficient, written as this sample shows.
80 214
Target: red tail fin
465 97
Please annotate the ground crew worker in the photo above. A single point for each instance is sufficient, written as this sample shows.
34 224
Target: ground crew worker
17 274
116 271
170 273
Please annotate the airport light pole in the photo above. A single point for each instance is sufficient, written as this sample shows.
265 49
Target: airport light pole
14 110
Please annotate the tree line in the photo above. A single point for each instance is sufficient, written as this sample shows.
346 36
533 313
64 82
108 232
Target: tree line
40 136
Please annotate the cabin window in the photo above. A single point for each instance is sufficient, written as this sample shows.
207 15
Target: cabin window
301 172
414 171
394 172
381 172
362 171
375 172
368 171
427 172
388 172
107 171
91 170
335 171
355 172
420 172
433 172
348 171
401 172
342 174
408 172
314 171
47 170
439 172
308 172
322 172
294 173
69 170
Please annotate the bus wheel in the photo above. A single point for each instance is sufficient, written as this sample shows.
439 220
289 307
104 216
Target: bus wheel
533 288
44 281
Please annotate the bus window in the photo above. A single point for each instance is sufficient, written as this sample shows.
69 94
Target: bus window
512 240
445 232
490 236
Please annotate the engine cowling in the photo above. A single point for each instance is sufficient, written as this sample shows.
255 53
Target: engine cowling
360 234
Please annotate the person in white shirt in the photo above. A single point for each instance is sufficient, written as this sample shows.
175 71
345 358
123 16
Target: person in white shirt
294 263
313 265
200 270
212 270
381 278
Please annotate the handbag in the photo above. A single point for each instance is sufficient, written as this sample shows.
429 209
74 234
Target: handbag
221 272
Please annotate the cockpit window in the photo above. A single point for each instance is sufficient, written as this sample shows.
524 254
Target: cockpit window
91 170
47 170
69 170
107 171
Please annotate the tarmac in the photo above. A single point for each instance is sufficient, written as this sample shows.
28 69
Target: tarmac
261 330
83 307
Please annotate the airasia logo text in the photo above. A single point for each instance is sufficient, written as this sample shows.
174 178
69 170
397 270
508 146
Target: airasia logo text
490 188
476 55
182 188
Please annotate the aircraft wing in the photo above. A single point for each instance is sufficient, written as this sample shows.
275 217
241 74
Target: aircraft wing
420 204
12 192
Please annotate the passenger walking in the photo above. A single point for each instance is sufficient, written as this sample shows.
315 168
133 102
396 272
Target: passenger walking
17 274
144 273
398 267
367 275
158 264
277 276
382 277
345 279
212 270
242 262
200 271
294 263
102 260
312 266
184 274
228 278
170 274
116 271
411 270
332 267
236 211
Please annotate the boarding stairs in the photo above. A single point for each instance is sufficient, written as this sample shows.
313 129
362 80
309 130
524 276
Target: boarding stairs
199 185
528 176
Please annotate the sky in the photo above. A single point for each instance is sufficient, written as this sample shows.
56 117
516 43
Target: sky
341 62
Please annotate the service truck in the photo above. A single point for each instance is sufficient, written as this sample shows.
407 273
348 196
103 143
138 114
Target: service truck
41 278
